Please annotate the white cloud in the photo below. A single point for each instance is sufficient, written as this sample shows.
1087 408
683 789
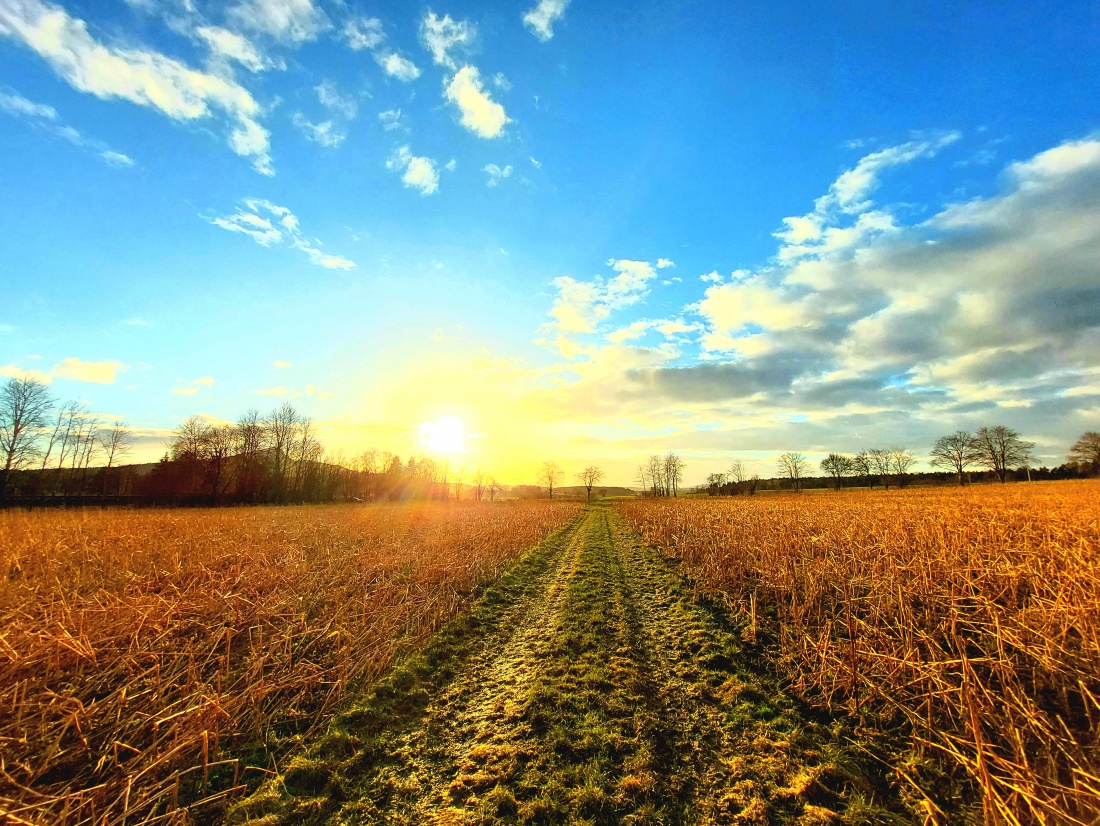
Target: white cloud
418 172
502 82
480 113
232 46
290 21
362 33
391 119
332 98
540 19
138 322
536 163
18 105
496 174
665 263
441 35
71 369
270 224
398 67
118 159
324 133
190 388
142 76
713 277
280 392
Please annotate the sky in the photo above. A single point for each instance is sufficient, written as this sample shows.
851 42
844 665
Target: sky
584 231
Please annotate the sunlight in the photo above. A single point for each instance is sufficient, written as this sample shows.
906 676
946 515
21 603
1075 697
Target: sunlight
446 435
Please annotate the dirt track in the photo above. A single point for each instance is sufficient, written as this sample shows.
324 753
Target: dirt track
587 687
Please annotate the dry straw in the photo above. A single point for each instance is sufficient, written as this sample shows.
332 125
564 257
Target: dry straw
142 652
975 613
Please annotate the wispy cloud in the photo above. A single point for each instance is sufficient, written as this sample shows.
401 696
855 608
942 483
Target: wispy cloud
541 19
324 133
442 35
269 224
46 117
391 119
289 21
479 112
227 45
335 100
362 33
142 76
397 67
496 174
190 388
417 172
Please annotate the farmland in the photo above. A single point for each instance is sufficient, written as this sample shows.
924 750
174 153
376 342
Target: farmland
918 656
972 615
153 658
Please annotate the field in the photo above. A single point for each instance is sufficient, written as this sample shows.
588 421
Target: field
973 615
924 656
150 658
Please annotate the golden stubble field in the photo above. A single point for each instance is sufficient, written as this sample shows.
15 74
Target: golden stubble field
142 653
974 614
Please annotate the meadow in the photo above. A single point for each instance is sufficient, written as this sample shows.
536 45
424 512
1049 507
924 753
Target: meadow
155 658
969 618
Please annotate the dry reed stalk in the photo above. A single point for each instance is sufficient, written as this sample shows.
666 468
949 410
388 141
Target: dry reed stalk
975 613
142 651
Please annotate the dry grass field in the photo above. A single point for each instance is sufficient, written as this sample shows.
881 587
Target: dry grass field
972 615
151 658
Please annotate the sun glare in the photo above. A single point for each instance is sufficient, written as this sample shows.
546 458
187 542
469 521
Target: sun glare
446 435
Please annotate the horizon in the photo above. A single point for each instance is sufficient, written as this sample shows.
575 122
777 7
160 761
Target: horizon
556 230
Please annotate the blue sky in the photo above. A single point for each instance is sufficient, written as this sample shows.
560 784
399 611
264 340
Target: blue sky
562 222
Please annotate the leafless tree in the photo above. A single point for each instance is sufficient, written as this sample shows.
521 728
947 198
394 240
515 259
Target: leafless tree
494 488
672 467
24 405
1001 448
656 472
116 441
479 484
752 483
838 466
589 477
956 452
738 475
861 466
218 445
901 460
282 428
715 481
550 473
1085 452
793 465
881 464
457 482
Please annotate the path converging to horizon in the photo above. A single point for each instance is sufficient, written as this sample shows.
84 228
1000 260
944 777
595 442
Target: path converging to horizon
587 686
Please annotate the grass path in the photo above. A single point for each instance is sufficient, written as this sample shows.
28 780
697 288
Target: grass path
586 687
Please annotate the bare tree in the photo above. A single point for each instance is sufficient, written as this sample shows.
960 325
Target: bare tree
793 465
861 466
901 460
24 404
479 484
589 477
494 488
672 466
956 452
642 478
881 464
753 482
1085 452
838 466
738 475
217 451
1001 448
549 475
116 441
655 469
715 481
282 427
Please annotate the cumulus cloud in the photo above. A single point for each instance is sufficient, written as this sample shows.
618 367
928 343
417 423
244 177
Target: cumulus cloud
289 21
71 369
442 35
665 263
141 76
479 113
417 172
397 67
496 174
269 225
541 19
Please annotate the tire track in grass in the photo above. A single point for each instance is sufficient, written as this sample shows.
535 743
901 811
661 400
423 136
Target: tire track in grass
589 688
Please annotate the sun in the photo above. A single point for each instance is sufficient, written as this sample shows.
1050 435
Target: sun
446 435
